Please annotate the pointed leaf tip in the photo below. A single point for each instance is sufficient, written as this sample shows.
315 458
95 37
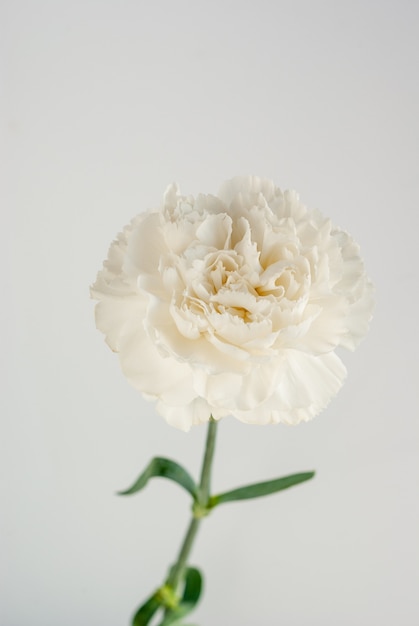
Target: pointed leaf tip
163 468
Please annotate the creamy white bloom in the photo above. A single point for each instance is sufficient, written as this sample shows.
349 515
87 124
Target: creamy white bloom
233 305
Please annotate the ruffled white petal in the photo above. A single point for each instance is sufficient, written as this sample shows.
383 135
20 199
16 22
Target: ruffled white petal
248 186
184 417
306 385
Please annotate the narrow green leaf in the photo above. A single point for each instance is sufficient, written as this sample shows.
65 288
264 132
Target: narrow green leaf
193 585
191 593
260 489
163 468
146 612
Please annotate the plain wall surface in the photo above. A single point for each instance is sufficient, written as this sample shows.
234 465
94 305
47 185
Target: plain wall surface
103 104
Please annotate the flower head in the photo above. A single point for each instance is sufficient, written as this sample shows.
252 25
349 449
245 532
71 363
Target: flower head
233 305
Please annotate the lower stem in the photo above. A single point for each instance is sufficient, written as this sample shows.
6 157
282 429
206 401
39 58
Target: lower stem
176 573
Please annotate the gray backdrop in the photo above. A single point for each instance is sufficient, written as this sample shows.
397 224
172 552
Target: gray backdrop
103 104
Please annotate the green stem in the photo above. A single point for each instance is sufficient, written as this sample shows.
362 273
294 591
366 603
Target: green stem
204 486
176 573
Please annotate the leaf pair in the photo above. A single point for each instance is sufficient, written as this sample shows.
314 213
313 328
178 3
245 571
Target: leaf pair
191 594
166 468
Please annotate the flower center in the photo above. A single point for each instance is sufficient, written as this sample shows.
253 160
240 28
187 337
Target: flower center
224 287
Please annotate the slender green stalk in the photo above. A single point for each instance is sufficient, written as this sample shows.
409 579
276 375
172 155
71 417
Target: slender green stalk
175 575
177 570
204 487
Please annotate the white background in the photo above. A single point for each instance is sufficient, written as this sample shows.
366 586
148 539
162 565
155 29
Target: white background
103 104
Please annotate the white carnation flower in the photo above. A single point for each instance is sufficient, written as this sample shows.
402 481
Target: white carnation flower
233 305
